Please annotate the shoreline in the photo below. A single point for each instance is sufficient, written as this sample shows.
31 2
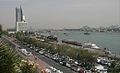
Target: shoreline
100 51
67 36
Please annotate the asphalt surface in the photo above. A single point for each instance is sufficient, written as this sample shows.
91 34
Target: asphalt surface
46 60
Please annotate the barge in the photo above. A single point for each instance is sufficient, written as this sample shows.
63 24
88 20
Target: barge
72 42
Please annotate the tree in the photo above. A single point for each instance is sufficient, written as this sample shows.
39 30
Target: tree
0 30
8 58
0 27
11 62
27 66
115 68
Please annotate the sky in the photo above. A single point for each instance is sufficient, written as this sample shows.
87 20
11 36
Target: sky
57 14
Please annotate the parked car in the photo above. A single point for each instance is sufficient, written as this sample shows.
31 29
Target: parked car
37 50
103 61
68 65
42 52
87 71
54 70
75 68
25 52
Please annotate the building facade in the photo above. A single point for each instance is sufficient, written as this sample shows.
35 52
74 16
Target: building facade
21 26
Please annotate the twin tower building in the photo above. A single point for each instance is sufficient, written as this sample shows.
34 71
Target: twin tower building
21 24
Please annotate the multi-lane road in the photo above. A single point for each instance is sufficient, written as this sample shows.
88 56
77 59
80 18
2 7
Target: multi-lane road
43 58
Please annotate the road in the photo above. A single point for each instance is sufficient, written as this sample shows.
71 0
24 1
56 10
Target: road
43 58
53 63
40 64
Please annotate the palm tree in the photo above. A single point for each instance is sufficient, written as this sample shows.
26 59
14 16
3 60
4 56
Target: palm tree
8 59
11 62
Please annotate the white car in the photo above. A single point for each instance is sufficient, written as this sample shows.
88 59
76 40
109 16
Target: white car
88 71
48 70
58 71
41 52
25 52
68 65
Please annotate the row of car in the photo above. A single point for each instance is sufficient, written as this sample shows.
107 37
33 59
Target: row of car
63 60
74 65
51 69
41 51
25 52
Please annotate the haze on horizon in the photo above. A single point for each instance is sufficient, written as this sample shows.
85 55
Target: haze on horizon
43 14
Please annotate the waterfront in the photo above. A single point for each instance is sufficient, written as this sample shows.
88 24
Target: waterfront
110 40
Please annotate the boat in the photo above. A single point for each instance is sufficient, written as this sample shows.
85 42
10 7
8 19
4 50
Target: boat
65 34
52 37
86 33
90 45
72 42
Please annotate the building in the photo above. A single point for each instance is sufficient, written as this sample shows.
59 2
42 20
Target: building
21 24
11 30
19 14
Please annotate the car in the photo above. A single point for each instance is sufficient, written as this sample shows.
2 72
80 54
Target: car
54 57
28 45
54 70
49 55
31 47
48 70
25 52
68 65
58 71
37 50
64 63
42 52
75 68
46 54
88 71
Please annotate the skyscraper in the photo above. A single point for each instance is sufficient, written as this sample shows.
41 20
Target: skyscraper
21 24
19 14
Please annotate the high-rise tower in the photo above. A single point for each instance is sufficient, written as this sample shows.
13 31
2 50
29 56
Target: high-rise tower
19 14
21 24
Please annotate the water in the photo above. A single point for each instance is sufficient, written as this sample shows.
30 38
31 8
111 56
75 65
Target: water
109 40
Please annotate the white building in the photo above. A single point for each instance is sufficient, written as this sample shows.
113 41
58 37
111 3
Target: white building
21 26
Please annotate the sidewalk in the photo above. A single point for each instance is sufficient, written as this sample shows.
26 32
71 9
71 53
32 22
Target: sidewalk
40 64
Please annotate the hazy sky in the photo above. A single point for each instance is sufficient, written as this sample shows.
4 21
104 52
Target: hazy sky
61 13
